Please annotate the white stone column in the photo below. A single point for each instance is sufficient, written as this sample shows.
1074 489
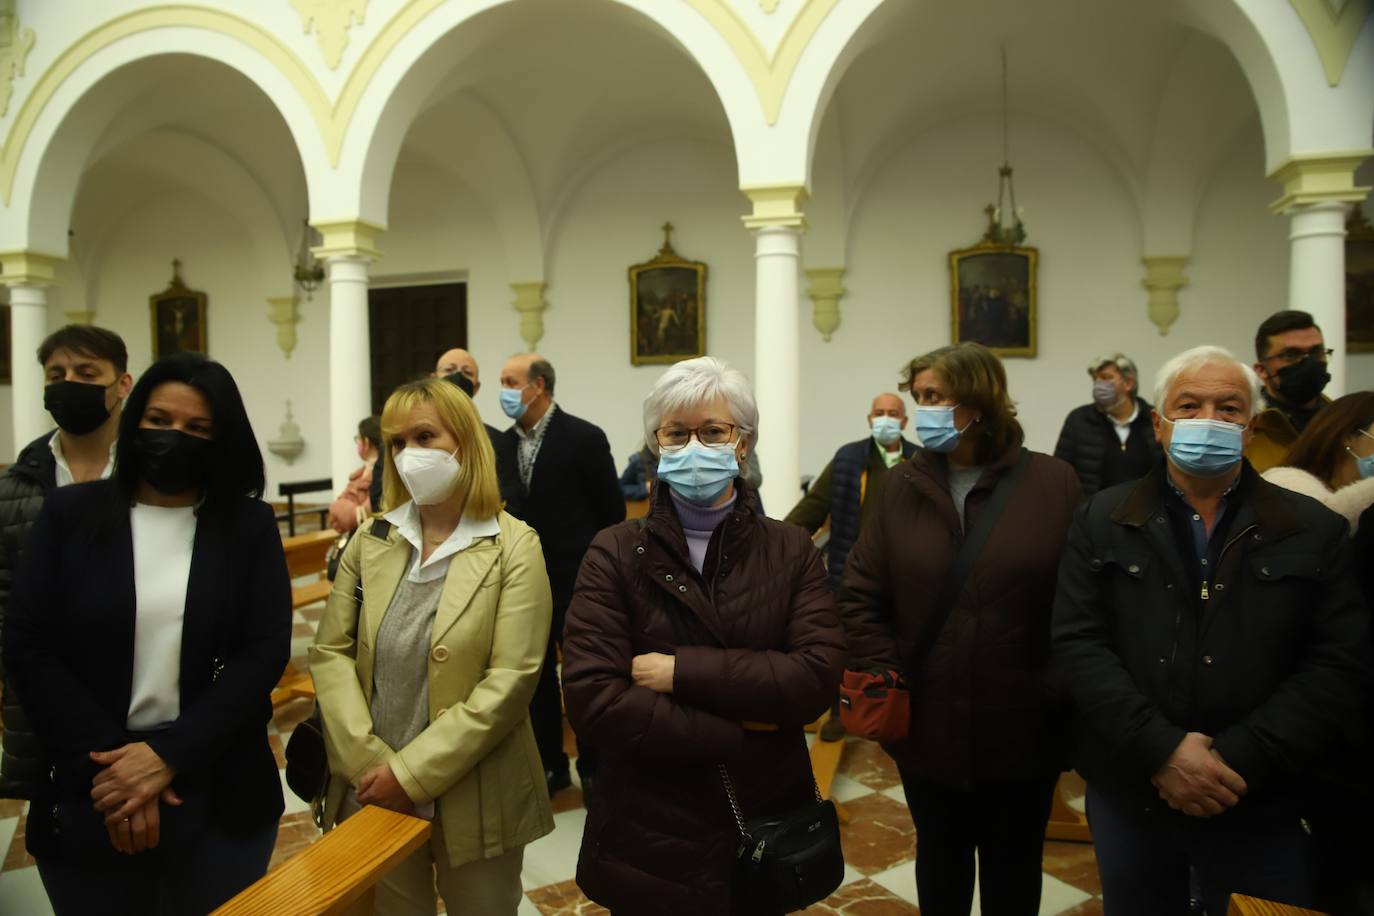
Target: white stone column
777 224
1318 189
1316 277
347 249
28 275
28 327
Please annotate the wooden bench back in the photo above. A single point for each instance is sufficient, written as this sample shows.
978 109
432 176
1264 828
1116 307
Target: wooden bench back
1242 905
305 553
337 873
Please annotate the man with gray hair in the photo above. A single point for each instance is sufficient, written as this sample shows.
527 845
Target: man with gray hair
1209 630
1110 441
571 491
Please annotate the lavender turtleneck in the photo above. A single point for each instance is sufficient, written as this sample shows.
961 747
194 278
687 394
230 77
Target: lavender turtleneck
699 523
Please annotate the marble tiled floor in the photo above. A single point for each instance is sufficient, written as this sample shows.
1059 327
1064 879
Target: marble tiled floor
879 840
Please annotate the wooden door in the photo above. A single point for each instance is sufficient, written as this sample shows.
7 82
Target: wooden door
410 327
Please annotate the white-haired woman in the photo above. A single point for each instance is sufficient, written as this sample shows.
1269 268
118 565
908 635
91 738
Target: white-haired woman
705 634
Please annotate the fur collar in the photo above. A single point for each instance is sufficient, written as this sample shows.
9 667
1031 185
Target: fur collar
1350 500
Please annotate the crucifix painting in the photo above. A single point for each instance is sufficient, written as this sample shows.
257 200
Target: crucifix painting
667 307
178 318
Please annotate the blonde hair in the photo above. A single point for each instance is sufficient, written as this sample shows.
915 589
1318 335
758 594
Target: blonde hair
476 490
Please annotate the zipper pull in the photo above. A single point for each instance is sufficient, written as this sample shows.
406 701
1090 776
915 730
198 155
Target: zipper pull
1204 590
758 852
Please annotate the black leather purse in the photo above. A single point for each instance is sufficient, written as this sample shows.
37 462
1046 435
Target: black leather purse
307 761
787 863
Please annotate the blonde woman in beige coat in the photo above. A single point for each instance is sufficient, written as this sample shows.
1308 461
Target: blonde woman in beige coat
424 685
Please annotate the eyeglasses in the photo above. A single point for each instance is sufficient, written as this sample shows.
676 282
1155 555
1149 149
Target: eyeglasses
711 435
1293 354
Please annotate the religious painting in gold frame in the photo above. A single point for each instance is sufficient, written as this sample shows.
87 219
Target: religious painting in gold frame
667 307
6 373
178 317
1359 282
993 299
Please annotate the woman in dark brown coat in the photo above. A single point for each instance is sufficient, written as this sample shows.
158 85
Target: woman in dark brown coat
704 635
986 742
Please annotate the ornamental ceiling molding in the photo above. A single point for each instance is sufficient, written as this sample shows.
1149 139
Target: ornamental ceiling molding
330 20
15 45
1334 27
770 73
769 6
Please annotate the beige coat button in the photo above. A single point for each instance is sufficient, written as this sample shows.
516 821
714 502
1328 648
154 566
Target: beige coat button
440 654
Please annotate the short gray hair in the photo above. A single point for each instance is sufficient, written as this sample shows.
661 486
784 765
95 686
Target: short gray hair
1121 361
694 382
1196 358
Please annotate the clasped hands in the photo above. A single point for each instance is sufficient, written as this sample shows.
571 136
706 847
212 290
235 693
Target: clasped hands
1196 781
127 791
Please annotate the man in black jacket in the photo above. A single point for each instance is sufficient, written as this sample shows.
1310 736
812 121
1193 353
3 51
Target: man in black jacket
1209 629
85 369
1111 440
571 491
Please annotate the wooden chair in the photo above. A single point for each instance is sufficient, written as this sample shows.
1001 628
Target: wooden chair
1242 905
336 874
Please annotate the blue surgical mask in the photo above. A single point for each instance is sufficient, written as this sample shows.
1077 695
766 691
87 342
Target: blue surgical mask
886 430
697 473
511 403
1204 448
1363 463
936 430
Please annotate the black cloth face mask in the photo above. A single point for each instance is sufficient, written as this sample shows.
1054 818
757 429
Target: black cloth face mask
172 461
1303 381
78 407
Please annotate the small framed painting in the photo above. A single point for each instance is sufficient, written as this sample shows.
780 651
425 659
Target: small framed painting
178 318
992 293
1359 282
6 375
667 307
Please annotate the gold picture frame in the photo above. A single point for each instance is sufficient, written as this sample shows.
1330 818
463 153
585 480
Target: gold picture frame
667 307
178 318
993 297
1359 283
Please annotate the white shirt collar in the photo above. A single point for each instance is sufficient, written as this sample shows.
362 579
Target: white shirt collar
64 472
406 518
1135 412
537 430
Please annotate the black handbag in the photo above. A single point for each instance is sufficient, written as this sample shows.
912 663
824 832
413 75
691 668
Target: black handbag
307 762
789 862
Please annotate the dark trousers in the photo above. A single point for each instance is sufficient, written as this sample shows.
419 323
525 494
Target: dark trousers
1144 861
192 874
546 715
1002 823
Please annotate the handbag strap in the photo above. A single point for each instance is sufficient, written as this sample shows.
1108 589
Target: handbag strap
973 545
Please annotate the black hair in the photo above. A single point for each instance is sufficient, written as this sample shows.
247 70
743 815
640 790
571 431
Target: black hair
1278 323
88 340
541 368
235 466
370 428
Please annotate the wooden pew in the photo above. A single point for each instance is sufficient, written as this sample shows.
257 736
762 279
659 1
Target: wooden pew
1242 905
338 873
305 556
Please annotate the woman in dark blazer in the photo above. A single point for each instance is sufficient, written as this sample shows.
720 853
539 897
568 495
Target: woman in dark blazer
150 621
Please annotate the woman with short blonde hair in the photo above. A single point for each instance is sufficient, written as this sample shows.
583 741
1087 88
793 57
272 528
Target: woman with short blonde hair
427 656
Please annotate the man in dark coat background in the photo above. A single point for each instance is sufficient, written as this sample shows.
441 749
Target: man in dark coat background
1210 630
86 380
570 492
1110 441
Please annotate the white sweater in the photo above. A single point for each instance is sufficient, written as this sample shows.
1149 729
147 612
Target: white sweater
1349 501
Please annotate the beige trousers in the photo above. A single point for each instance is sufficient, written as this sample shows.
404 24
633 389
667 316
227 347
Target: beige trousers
487 887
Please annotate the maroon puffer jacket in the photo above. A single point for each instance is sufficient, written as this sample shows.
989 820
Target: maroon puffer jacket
981 710
764 646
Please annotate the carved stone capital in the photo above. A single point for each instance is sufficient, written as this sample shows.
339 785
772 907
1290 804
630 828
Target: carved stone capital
825 291
1164 277
529 302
